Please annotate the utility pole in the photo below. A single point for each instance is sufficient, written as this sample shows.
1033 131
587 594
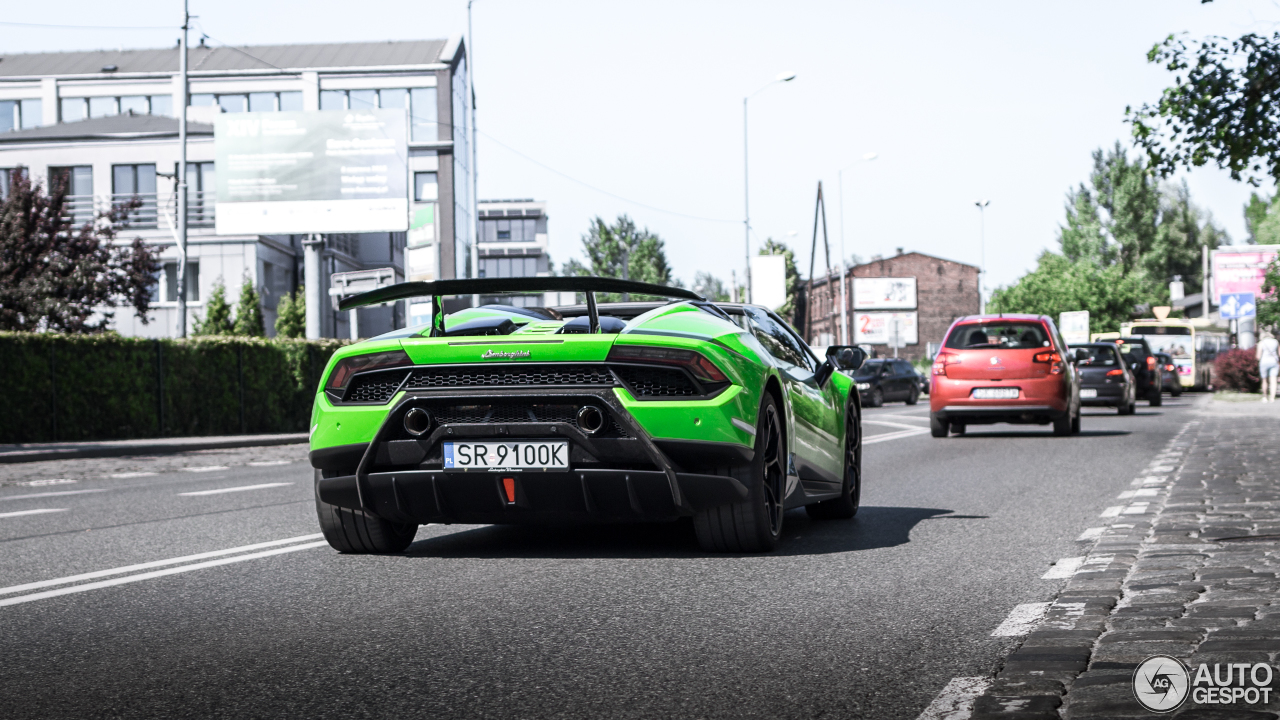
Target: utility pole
182 173
311 279
844 296
982 245
1204 281
746 177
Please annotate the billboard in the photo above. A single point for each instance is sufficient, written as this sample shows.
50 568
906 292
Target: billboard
896 329
1240 271
769 280
884 293
332 171
1074 326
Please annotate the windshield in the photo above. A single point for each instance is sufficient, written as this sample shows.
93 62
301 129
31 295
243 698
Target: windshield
1132 350
1099 357
1005 336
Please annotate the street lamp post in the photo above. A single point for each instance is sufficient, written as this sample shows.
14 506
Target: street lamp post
844 296
982 249
746 177
182 175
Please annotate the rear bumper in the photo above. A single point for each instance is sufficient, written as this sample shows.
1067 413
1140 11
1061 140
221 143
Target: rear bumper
423 496
1108 395
1040 400
984 414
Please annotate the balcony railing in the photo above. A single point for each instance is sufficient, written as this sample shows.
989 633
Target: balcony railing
155 211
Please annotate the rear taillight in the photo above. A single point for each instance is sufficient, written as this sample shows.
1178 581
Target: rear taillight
1151 362
694 362
941 362
1116 372
1168 368
1050 357
349 366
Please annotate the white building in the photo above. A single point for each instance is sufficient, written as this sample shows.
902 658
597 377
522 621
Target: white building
103 122
513 243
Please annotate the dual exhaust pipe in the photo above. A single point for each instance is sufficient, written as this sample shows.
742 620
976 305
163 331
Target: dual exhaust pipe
591 420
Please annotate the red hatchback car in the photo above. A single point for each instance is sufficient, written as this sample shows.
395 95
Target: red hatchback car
1004 368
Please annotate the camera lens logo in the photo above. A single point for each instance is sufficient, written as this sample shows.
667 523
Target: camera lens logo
1160 683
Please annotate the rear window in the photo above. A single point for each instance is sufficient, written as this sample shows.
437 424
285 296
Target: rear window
1005 336
869 368
1132 350
1099 357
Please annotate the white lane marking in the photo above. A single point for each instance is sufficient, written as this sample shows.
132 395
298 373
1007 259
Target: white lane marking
206 468
50 494
1112 511
32 512
890 424
155 574
241 488
269 463
154 563
124 475
1154 480
1064 568
1141 492
1091 533
894 436
1022 620
49 481
1136 509
955 702
1157 469
1096 563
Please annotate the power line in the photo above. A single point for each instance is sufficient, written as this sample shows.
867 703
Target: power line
600 190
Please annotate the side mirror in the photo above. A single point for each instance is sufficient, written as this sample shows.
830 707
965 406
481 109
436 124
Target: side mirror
846 357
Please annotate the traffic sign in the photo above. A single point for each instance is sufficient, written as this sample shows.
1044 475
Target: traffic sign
1238 305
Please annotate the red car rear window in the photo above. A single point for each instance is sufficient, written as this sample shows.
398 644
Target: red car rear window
1001 335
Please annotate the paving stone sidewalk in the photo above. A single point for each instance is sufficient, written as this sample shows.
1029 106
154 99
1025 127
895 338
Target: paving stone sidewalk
1188 568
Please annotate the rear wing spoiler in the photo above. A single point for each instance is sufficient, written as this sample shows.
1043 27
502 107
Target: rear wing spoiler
437 289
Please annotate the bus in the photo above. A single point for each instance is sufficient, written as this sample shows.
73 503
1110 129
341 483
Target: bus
1193 350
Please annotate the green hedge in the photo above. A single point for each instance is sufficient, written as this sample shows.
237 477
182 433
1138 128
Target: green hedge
106 387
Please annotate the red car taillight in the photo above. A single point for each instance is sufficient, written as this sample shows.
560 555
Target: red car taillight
694 362
1168 368
349 366
1112 373
1151 362
1050 357
941 362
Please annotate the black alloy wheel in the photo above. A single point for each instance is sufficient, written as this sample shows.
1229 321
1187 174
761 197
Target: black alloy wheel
845 506
914 397
754 523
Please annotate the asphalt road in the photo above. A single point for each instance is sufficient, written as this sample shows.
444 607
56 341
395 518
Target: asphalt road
863 618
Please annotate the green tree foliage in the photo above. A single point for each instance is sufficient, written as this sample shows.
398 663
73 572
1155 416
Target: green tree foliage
710 287
249 322
217 314
773 247
57 276
1223 107
1269 302
1122 242
611 247
291 315
1262 216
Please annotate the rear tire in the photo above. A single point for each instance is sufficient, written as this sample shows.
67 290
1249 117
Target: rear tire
357 532
1075 423
914 397
938 427
1126 409
1155 398
1062 426
845 506
754 523
1176 390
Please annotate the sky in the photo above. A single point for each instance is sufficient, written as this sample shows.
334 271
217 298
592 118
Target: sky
608 108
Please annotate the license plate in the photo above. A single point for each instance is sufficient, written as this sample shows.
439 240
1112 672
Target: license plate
1088 393
519 455
995 393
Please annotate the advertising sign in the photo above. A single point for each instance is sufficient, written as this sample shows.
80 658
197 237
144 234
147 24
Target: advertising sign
1241 272
331 171
769 281
895 329
884 293
1074 326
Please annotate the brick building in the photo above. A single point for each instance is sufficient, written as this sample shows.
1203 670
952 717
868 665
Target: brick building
945 290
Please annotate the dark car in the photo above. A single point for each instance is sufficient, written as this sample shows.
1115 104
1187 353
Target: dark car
887 379
923 378
1105 377
1169 374
1142 363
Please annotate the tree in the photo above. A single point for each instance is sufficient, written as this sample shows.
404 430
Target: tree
1262 216
1223 107
1183 229
1059 284
291 315
710 287
57 276
249 322
622 250
1128 193
1268 302
217 315
773 247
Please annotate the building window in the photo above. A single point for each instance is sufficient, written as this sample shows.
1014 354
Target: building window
425 188
103 107
136 104
19 114
393 99
130 181
202 100
73 109
423 115
6 179
201 189
77 180
362 99
333 100
505 267
291 101
192 282
233 103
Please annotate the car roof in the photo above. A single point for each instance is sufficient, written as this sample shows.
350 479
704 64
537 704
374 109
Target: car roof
971 319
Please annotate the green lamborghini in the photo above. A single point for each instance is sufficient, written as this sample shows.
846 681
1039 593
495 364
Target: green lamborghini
610 412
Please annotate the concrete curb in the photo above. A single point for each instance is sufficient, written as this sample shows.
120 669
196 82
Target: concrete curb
154 446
